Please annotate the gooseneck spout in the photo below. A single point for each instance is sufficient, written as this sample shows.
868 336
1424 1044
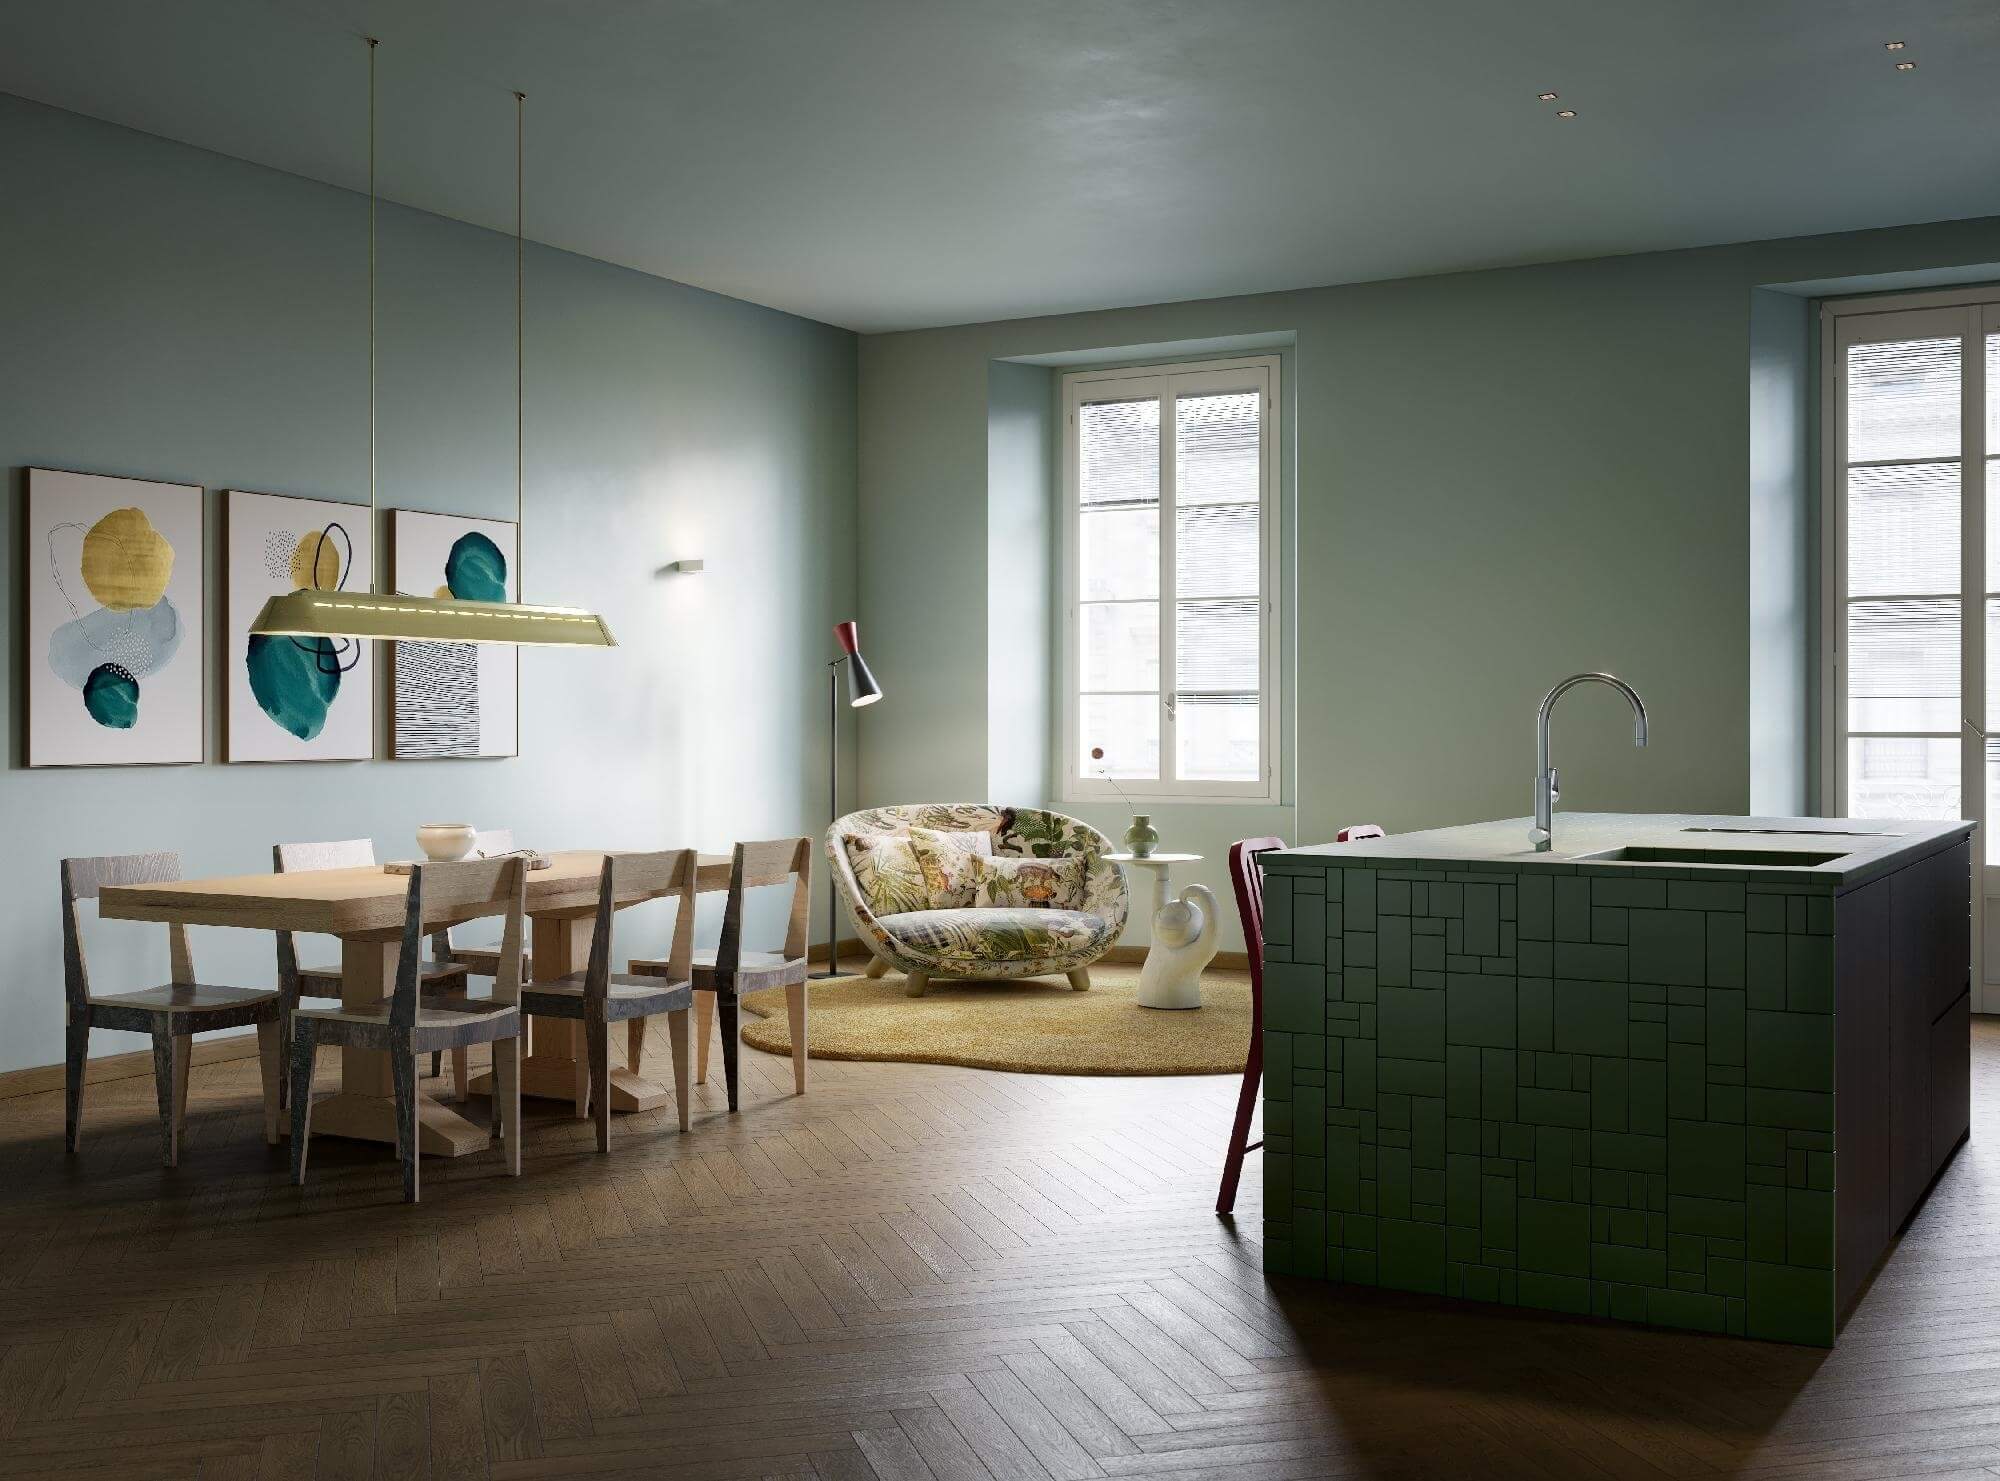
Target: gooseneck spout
1542 835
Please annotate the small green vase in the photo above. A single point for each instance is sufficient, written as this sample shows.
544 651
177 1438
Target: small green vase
1142 837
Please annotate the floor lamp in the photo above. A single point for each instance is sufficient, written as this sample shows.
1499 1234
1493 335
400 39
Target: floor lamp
861 690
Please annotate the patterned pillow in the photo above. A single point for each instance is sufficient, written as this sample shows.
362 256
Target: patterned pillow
889 873
1052 884
947 863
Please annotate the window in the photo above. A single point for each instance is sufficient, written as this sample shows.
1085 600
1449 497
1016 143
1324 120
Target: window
1912 588
1170 562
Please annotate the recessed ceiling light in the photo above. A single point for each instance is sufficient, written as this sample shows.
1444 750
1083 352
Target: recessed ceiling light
1906 66
1565 113
1892 46
1545 97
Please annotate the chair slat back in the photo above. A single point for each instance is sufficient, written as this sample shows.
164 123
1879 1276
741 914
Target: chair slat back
1249 882
751 866
444 891
297 858
345 853
82 879
624 880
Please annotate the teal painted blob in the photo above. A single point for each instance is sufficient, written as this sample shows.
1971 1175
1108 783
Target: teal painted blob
295 681
476 571
111 696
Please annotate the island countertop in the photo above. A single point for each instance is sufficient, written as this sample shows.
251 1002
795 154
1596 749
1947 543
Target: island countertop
1866 848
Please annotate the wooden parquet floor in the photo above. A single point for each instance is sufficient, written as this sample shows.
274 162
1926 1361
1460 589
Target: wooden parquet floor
913 1272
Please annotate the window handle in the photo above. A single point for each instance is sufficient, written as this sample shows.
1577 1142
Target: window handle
1173 700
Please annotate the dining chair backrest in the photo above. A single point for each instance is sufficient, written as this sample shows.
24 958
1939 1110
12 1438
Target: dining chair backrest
1249 882
626 879
442 893
346 853
82 879
297 858
752 866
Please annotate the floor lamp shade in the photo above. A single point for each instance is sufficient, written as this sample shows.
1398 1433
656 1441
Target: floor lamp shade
861 686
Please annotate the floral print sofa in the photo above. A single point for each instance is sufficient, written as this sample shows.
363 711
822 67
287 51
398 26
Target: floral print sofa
1023 941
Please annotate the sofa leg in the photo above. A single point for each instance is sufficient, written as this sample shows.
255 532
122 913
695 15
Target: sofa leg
915 983
1080 979
875 968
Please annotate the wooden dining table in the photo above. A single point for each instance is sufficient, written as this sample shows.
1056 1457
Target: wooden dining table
364 908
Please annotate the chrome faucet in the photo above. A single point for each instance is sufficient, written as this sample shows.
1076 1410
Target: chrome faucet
1542 835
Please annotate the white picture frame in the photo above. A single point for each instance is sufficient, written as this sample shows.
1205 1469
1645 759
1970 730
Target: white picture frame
453 700
117 636
304 699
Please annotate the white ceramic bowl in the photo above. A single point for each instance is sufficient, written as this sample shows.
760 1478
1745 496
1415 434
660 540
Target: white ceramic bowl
446 843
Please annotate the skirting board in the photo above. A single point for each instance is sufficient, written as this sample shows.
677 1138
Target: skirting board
40 1078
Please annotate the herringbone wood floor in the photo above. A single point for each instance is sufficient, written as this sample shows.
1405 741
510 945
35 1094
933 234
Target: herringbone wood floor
913 1272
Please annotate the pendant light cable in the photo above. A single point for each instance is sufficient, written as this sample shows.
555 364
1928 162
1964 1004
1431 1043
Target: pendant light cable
374 566
520 332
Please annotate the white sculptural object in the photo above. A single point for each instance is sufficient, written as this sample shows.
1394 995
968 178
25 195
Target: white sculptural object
1185 932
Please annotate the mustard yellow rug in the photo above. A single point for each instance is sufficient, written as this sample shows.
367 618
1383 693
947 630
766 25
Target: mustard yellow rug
1039 1025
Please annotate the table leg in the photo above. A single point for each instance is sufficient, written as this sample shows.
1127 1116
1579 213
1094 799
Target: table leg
555 1049
365 1107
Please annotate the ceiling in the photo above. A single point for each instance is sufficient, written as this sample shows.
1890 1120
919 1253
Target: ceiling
887 164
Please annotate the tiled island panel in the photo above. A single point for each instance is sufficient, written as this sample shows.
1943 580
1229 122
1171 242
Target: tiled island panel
1586 1093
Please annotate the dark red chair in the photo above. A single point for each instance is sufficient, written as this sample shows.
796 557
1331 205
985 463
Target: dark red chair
1249 882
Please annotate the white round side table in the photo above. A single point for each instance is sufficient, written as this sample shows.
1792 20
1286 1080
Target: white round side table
1186 928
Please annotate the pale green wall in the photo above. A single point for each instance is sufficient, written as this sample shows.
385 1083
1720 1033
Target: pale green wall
1020 576
1503 477
174 314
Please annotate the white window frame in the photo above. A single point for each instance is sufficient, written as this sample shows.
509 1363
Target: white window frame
1200 377
1971 314
1845 323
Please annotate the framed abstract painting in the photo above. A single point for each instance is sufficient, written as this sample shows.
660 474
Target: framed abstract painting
295 698
453 699
116 642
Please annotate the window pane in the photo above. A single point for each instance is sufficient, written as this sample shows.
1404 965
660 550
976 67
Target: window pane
1992 801
1121 645
1902 530
1126 727
1903 400
1216 452
1992 396
1118 452
1902 778
1218 554
1118 554
1992 470
1218 739
1902 665
1216 648
1992 665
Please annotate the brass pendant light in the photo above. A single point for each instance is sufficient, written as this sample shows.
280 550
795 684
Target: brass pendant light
345 614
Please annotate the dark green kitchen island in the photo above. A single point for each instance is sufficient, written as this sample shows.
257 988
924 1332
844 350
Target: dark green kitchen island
1692 1071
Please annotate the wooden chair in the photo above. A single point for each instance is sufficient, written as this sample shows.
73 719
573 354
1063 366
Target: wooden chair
722 976
1249 881
405 1025
296 982
481 961
597 997
172 1015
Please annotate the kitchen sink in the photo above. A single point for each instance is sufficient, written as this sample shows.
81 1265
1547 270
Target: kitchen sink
1723 857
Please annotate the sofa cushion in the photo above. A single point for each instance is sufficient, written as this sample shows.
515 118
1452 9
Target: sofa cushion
965 938
947 862
891 876
1044 884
